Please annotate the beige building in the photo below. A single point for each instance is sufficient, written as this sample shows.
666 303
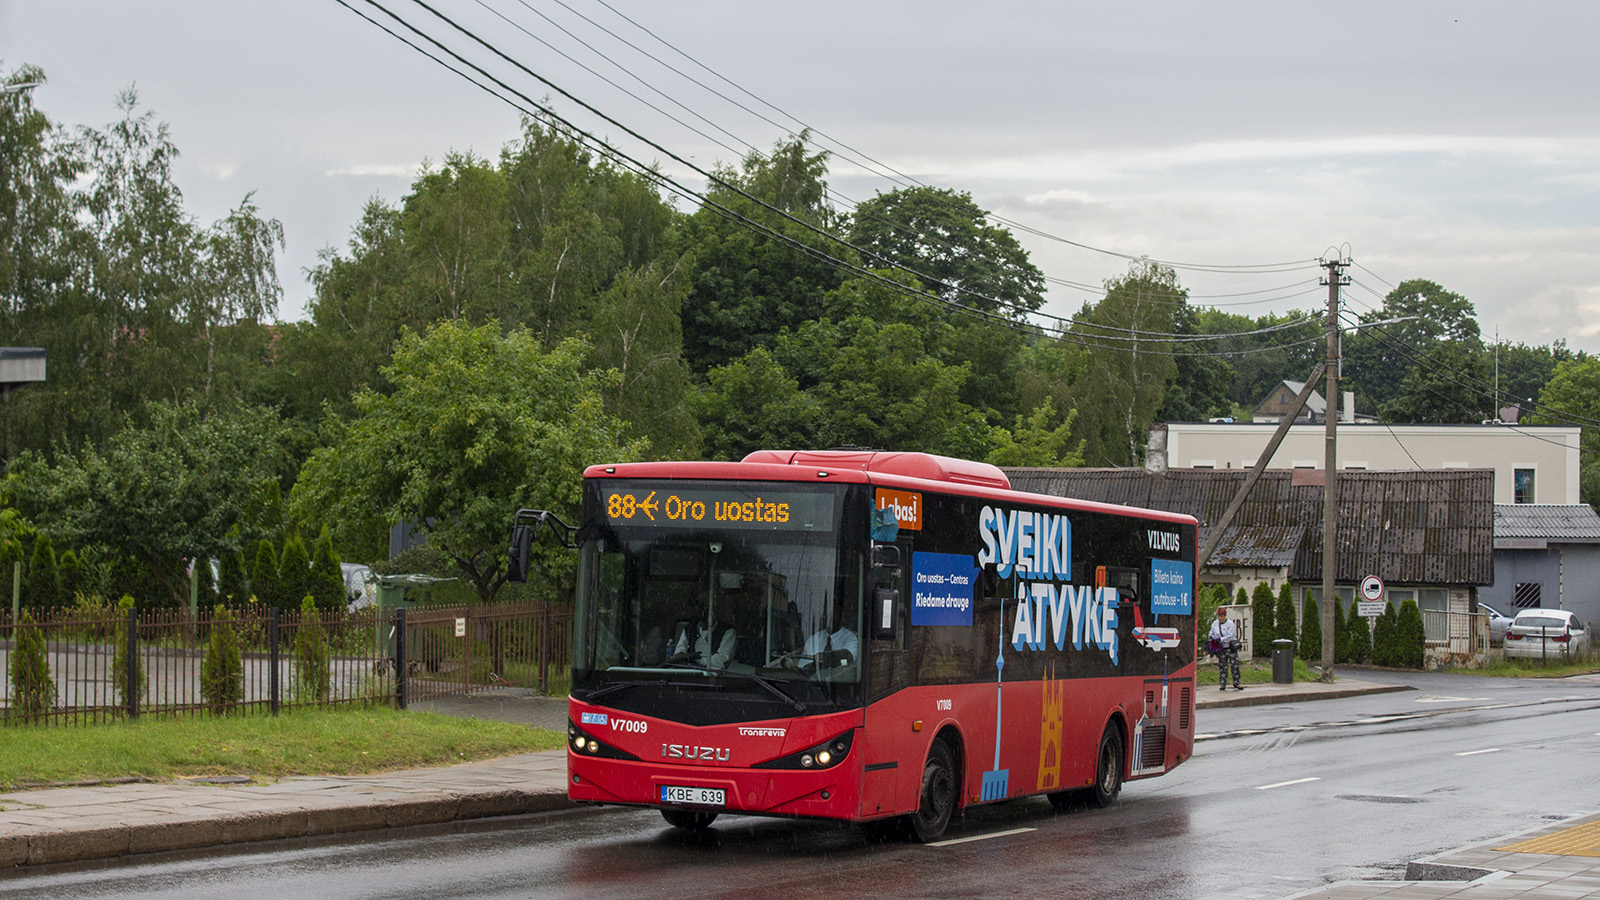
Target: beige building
1531 463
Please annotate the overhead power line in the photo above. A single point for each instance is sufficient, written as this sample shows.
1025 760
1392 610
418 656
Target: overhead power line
540 110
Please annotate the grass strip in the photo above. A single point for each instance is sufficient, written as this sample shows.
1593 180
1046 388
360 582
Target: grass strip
350 741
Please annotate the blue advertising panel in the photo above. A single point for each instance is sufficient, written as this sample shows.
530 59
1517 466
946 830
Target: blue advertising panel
942 588
1171 587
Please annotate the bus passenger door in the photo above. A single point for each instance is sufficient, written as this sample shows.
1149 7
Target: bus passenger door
890 746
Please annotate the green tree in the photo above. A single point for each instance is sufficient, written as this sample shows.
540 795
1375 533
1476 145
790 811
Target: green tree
1038 440
294 574
1379 359
1384 648
311 655
638 333
1310 646
749 285
1128 364
41 582
945 240
233 582
33 691
222 669
327 575
1409 636
265 583
1359 631
160 494
1262 608
479 425
1285 624
1573 395
1432 390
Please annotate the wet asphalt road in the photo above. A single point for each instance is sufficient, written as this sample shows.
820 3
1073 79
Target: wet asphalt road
1278 799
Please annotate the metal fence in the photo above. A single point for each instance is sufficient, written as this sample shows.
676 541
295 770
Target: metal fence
283 659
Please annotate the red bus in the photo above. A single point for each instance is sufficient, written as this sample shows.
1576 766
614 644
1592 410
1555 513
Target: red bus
867 636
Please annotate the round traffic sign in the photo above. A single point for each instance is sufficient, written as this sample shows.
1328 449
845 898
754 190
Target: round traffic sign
1372 588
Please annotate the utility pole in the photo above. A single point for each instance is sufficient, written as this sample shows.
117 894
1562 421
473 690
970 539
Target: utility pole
1330 480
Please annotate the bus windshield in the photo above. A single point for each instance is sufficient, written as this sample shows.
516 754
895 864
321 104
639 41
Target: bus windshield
691 591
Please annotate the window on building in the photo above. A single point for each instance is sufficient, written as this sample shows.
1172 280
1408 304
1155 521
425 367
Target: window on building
1435 606
1522 485
1526 595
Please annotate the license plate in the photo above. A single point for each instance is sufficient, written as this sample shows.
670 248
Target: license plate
694 796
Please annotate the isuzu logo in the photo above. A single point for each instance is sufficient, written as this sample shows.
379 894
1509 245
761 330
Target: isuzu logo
685 751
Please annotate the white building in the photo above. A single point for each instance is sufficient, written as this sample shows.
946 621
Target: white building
1531 463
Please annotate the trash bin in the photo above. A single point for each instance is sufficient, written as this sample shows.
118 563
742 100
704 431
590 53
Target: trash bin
400 592
1283 661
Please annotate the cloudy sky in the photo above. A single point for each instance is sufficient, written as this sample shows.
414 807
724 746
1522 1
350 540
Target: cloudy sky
1453 141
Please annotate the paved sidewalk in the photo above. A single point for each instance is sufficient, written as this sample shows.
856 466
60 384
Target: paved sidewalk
106 822
1551 861
1209 696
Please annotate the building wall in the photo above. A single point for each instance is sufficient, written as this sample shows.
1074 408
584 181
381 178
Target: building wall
1551 451
1568 576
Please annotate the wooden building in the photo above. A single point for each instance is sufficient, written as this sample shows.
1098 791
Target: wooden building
1429 535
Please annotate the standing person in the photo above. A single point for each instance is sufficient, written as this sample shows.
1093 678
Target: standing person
1224 637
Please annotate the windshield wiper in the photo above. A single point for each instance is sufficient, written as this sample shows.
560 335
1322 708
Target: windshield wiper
624 685
762 680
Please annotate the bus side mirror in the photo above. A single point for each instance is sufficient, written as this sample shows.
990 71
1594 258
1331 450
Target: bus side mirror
885 600
521 545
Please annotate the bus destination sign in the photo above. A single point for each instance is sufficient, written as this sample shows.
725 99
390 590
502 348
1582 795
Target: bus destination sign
670 506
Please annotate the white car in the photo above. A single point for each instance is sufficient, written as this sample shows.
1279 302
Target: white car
1546 634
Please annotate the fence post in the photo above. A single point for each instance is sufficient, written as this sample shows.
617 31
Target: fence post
400 657
272 657
16 591
544 649
132 664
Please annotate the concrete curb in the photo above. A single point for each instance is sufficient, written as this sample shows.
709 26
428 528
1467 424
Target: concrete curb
1264 698
79 845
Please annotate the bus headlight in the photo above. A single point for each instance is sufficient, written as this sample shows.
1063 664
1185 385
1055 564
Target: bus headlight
825 755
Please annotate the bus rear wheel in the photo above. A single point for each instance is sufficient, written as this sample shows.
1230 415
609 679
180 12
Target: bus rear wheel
1108 769
688 819
937 802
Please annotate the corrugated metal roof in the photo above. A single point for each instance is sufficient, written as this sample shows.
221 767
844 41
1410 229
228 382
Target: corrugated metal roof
1563 523
1406 527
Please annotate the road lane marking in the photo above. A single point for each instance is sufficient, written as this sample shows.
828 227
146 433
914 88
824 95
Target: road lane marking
1268 787
1476 752
981 837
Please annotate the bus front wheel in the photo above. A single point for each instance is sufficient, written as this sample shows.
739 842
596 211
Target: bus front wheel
1108 769
688 819
937 801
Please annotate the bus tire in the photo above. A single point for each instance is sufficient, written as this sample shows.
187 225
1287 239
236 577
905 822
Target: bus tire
936 802
1108 769
688 819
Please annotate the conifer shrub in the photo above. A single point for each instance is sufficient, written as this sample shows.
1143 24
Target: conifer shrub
294 573
1262 603
327 577
1283 618
1310 646
1410 637
1358 636
41 580
1341 640
1383 644
233 582
311 654
264 584
119 661
33 692
222 670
